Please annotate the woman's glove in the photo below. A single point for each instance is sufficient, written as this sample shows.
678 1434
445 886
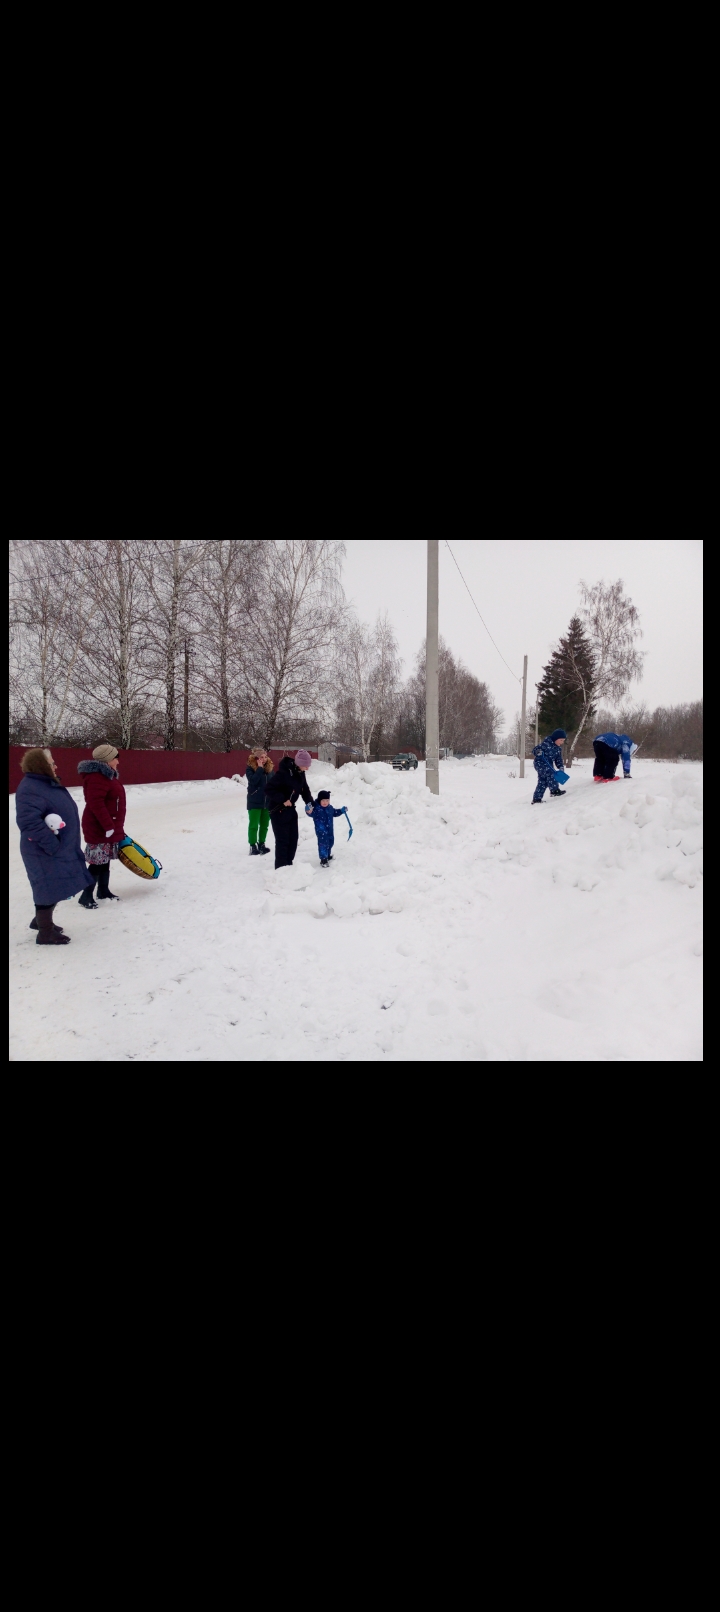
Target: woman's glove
108 832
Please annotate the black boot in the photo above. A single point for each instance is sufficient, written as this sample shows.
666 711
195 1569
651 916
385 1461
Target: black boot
48 932
263 849
34 925
253 850
87 898
103 884
558 791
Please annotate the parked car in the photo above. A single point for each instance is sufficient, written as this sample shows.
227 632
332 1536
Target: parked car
404 761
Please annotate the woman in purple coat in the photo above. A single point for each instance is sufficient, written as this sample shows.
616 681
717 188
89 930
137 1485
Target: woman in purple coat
54 862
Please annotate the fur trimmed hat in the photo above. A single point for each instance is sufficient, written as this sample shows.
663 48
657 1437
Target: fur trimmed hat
37 761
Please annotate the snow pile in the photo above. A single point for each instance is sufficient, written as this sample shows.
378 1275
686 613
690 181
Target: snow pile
463 927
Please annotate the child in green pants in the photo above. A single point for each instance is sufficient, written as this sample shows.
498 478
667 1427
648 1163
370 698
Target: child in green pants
258 768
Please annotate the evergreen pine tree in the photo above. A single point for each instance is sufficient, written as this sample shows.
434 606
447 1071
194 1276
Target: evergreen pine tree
561 690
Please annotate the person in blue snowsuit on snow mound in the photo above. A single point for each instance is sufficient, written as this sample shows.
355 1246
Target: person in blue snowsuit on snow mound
323 818
546 757
609 747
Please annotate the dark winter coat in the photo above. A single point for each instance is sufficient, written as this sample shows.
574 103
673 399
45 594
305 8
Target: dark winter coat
104 803
256 782
54 863
287 783
323 819
621 742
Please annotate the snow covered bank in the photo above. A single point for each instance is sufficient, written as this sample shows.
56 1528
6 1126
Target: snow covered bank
466 927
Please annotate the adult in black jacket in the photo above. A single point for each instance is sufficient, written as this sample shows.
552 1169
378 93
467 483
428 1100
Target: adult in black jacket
281 792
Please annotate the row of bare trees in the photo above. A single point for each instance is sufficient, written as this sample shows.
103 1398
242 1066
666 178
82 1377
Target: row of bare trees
218 643
380 714
119 636
222 642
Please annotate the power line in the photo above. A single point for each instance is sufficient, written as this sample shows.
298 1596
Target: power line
487 629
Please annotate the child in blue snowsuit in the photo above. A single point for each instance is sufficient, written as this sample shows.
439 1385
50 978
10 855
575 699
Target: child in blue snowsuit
323 818
609 747
547 756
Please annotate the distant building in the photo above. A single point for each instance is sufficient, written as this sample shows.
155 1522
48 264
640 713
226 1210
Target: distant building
334 751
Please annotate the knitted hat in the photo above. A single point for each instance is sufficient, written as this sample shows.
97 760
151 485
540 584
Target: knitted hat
105 752
323 794
303 759
557 733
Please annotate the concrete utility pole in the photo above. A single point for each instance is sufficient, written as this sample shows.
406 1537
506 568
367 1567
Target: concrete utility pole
186 694
522 720
432 701
537 702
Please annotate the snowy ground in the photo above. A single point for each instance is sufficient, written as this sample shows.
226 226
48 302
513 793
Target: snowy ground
472 926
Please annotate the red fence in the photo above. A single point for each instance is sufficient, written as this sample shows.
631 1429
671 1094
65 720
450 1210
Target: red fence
148 766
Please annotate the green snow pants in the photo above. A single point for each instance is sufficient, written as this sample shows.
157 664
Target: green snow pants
258 824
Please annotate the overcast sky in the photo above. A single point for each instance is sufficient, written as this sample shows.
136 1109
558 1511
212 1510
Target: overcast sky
526 592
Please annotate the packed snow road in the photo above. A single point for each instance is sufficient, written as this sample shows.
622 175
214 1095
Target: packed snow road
466 927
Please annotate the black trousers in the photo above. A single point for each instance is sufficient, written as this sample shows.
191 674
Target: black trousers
285 828
606 760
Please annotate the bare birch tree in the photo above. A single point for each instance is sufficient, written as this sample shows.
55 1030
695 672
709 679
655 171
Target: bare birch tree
373 668
114 677
49 617
612 626
169 566
288 661
227 583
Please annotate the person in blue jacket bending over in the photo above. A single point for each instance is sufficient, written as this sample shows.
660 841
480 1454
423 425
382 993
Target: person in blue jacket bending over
609 747
323 819
546 757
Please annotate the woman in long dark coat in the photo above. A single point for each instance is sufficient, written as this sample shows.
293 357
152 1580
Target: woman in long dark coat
54 863
281 792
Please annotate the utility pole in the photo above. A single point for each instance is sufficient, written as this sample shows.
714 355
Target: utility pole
432 703
522 720
185 699
537 702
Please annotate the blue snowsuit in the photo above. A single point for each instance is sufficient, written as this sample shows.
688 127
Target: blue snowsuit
325 829
546 757
618 741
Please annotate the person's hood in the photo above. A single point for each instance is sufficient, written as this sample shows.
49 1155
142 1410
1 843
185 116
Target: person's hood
287 765
97 766
557 733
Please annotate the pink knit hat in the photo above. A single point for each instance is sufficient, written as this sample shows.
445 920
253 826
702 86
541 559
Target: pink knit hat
303 759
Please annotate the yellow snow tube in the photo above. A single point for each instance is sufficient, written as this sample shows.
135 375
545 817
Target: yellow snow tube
138 860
